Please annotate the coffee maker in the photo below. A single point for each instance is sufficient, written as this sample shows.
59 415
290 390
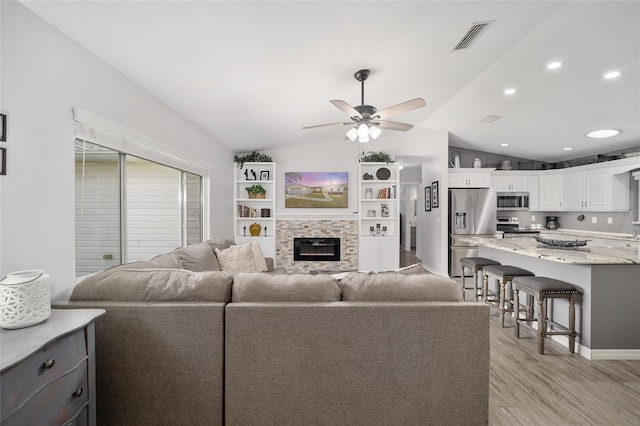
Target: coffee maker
552 222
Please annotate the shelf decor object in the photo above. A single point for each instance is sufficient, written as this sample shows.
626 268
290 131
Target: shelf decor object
25 297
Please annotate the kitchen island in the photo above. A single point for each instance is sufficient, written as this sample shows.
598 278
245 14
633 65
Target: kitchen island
608 275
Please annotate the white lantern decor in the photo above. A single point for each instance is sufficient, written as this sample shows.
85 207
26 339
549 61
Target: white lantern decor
25 299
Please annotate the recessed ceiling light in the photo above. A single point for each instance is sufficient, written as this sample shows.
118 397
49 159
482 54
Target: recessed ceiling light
554 65
604 133
510 91
567 148
504 144
612 74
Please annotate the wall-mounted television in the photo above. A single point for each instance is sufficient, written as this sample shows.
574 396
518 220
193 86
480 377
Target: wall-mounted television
313 190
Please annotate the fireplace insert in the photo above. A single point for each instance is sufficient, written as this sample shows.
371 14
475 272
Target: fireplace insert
316 249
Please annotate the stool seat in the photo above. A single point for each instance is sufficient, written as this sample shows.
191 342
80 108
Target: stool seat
506 271
544 288
476 264
505 275
478 261
544 285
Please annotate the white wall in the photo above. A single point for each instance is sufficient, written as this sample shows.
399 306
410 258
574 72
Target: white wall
44 74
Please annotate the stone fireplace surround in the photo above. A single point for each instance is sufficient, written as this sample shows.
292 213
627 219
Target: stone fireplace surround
290 228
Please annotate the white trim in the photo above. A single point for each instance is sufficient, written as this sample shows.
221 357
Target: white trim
114 136
615 354
315 217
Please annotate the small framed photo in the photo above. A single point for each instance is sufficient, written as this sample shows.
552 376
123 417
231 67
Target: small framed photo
434 194
3 161
3 127
264 175
427 198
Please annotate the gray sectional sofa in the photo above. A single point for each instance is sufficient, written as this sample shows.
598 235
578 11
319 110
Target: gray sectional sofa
182 347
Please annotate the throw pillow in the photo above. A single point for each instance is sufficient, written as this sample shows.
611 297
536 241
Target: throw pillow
238 258
258 257
197 258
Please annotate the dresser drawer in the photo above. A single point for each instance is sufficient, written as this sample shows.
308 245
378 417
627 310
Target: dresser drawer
57 403
21 381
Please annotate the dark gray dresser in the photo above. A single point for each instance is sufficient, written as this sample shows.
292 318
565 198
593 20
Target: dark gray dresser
48 371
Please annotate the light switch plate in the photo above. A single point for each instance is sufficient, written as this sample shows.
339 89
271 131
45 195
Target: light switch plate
594 219
610 220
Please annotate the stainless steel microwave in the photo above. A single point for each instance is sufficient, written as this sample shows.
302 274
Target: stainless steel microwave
512 200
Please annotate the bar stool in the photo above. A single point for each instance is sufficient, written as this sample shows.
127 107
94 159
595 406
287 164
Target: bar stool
543 289
476 264
504 274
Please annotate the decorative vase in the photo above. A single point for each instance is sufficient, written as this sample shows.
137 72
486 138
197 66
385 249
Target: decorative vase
254 229
25 299
368 193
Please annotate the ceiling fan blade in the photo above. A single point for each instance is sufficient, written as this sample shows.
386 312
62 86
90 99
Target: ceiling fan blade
343 106
401 108
328 124
393 125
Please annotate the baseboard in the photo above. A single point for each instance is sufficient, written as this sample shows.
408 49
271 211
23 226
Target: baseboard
600 354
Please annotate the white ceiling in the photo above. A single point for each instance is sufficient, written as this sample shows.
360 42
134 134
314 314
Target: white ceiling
252 74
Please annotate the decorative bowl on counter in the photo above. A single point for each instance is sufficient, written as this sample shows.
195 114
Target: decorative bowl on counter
561 243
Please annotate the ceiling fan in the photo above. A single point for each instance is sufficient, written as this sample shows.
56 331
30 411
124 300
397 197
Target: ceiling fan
367 119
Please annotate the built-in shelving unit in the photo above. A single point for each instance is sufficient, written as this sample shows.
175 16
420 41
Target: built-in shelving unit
261 211
379 216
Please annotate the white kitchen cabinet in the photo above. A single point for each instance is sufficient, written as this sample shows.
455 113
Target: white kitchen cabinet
470 178
533 186
596 190
379 216
509 182
552 192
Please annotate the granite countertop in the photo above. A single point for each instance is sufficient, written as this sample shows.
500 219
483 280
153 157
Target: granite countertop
598 255
591 234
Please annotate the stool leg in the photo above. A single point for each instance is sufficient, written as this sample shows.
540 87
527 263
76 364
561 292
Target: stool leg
542 322
485 287
462 276
516 311
529 309
503 285
476 286
572 323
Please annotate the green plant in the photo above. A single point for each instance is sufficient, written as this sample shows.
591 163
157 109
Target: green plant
376 157
256 189
254 157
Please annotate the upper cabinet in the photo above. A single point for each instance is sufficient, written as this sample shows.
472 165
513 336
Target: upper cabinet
551 196
470 178
596 190
510 181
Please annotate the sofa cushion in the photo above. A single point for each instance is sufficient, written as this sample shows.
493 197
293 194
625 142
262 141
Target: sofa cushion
167 260
285 288
219 243
198 257
245 257
398 287
155 284
139 264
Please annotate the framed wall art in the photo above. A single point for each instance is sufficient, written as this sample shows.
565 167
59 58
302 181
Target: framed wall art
434 194
427 198
316 190
3 127
3 161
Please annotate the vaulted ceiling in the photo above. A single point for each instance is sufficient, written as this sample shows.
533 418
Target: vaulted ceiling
252 74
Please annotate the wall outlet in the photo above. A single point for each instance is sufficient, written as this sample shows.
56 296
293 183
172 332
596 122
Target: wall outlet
533 218
594 219
610 220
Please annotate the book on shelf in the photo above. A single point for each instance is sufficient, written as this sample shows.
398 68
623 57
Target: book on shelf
387 193
246 211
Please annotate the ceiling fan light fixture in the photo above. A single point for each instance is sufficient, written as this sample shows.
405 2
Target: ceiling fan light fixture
363 130
374 132
364 139
352 134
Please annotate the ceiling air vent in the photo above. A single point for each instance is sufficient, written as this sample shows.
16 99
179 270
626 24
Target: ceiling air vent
476 30
490 118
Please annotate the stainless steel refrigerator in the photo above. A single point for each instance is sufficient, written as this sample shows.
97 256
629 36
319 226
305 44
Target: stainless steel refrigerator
471 212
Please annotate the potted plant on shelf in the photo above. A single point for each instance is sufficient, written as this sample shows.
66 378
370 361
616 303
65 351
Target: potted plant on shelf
254 157
256 191
376 157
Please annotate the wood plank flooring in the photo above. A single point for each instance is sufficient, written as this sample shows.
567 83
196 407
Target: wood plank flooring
557 388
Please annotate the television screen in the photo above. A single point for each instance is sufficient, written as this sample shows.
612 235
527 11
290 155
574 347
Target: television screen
316 190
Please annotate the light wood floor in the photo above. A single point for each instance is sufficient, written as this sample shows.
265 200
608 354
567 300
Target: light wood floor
557 388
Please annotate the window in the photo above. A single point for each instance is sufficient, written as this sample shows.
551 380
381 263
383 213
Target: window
129 208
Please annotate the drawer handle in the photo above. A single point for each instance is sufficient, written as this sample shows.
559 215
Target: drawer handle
49 363
78 392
